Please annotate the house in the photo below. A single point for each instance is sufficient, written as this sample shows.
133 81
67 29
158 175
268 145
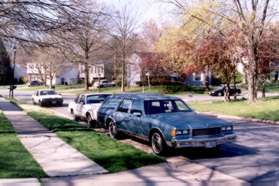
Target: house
141 64
66 74
99 70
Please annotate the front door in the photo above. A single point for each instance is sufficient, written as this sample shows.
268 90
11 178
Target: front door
80 104
123 116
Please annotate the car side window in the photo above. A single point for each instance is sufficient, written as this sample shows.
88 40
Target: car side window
111 103
82 99
125 106
136 106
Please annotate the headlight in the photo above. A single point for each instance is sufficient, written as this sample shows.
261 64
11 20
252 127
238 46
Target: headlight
182 132
227 129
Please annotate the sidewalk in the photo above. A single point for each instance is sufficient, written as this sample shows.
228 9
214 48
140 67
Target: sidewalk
54 156
182 173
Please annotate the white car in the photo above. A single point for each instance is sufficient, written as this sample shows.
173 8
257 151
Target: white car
85 107
46 98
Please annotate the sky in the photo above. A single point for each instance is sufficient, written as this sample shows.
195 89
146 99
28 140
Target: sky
146 9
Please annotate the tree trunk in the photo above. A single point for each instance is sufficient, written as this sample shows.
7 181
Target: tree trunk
86 78
263 91
123 77
86 71
227 93
252 74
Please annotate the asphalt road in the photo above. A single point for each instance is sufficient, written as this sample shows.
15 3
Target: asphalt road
254 157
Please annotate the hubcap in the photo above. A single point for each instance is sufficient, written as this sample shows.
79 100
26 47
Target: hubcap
89 119
112 130
157 143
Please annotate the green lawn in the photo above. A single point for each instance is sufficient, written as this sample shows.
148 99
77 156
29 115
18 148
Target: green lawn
162 89
110 154
15 161
274 87
267 109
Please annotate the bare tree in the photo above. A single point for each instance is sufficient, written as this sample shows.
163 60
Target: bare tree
48 62
124 25
29 21
85 43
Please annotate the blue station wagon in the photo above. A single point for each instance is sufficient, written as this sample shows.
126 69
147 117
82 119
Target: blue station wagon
166 122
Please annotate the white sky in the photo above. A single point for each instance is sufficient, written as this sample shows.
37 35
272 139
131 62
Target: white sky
145 9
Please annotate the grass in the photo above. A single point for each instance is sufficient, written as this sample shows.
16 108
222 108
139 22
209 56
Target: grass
162 89
265 109
15 161
274 87
110 154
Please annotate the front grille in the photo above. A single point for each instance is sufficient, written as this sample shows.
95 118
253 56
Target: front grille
207 132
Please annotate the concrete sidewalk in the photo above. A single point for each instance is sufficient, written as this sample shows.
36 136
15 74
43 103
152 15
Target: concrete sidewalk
54 156
179 173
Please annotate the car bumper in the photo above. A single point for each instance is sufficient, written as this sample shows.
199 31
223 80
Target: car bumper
207 142
52 101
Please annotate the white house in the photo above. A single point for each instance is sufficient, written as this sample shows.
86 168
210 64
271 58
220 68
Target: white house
66 74
99 70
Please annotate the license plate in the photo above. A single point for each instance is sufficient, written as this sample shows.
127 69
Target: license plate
53 102
210 144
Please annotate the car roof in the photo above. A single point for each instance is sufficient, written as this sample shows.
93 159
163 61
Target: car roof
145 96
95 94
45 90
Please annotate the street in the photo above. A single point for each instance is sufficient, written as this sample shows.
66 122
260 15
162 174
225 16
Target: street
252 158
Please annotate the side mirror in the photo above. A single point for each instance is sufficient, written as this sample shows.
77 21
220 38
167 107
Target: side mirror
137 113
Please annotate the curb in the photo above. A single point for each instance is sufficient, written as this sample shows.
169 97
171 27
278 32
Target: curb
239 118
20 182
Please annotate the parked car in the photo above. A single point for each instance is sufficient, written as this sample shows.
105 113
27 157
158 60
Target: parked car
166 122
221 91
47 97
34 83
85 107
103 84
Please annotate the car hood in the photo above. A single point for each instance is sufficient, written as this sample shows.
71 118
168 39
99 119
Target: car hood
184 120
51 97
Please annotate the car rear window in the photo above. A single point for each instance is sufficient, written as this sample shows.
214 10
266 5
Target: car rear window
96 99
165 106
111 103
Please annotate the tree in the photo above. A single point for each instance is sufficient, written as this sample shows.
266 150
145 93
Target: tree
151 34
48 62
29 21
123 31
250 19
85 43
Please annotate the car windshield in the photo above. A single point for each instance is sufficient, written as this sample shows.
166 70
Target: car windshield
48 92
96 99
165 106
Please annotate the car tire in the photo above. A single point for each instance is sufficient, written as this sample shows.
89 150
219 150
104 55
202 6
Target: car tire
220 94
72 112
158 144
91 123
113 132
41 104
76 118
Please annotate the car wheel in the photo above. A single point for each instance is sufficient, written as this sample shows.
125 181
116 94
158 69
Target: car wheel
91 123
158 144
113 132
72 111
41 104
220 94
76 118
